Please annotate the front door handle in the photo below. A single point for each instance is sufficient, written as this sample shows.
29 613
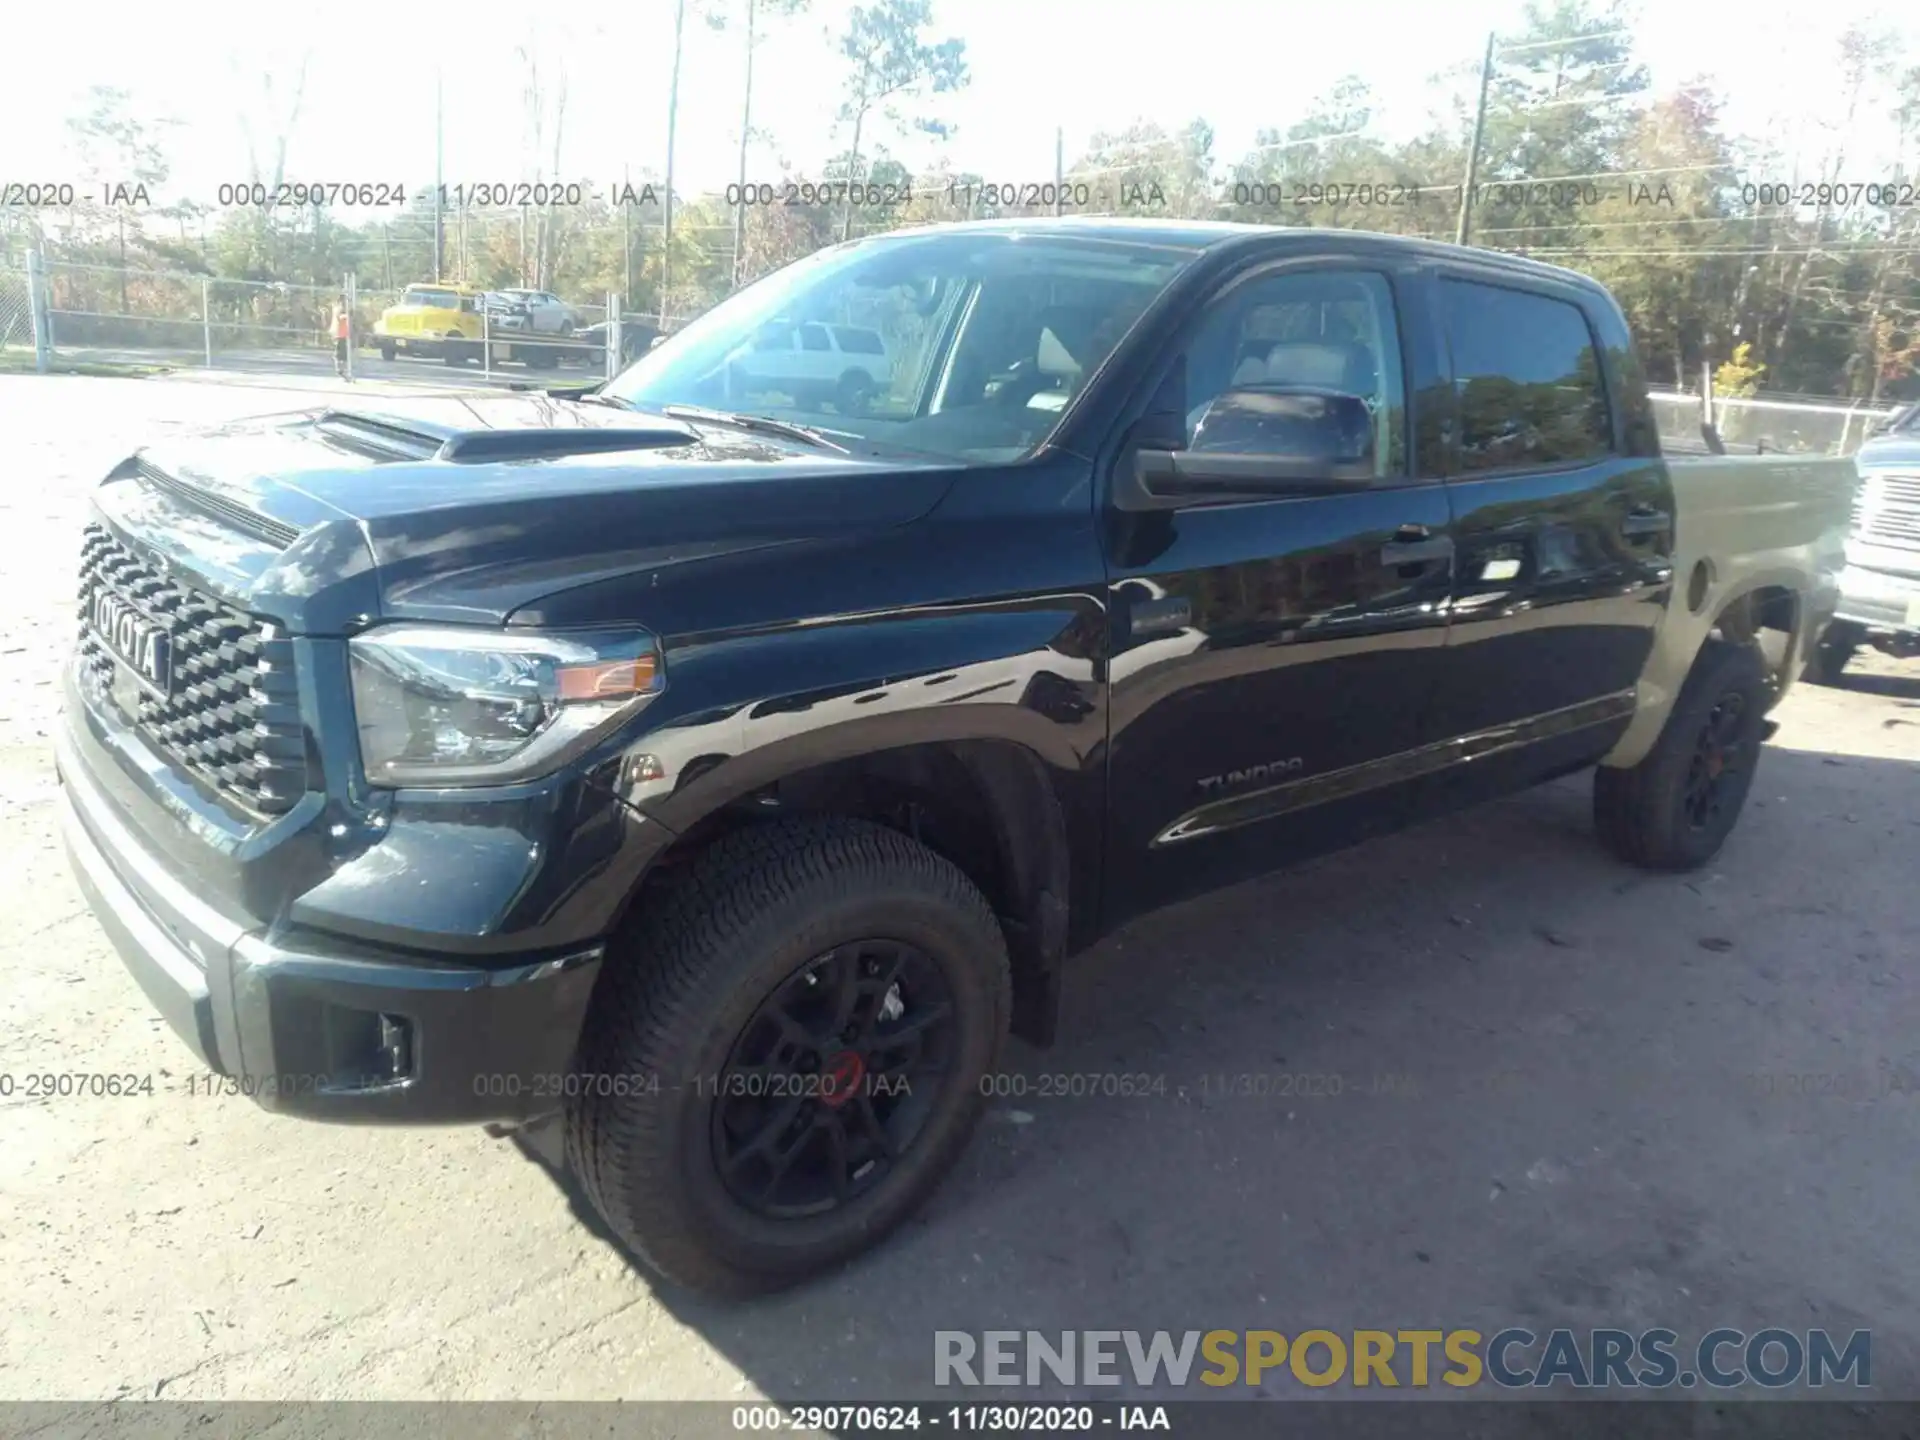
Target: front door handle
1644 520
1416 545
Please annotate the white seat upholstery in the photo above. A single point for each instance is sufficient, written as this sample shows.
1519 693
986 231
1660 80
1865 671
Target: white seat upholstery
1053 358
1306 363
1250 371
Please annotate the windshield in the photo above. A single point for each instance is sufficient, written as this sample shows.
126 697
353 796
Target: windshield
438 299
963 344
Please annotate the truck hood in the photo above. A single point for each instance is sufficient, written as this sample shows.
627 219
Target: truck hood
466 509
1902 451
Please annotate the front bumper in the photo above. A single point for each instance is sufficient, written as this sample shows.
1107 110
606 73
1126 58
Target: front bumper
420 344
346 1034
1880 599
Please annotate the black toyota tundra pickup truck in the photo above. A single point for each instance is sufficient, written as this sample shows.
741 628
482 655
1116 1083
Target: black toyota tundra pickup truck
728 778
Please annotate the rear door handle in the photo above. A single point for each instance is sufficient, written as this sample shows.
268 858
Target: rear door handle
1416 545
1643 520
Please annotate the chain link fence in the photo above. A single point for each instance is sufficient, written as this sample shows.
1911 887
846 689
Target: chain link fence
16 309
1749 427
128 315
115 314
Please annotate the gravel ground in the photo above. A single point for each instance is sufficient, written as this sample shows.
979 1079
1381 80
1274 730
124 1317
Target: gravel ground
1569 1093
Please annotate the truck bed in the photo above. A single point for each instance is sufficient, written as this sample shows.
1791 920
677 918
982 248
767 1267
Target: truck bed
1745 523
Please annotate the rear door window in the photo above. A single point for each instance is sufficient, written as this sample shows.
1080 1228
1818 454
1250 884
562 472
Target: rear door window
859 342
1526 377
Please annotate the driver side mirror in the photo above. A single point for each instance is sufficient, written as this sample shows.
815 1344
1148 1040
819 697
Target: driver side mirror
1255 442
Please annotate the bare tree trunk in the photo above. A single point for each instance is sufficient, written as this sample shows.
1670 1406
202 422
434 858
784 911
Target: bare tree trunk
550 243
1823 215
265 253
853 170
746 130
673 120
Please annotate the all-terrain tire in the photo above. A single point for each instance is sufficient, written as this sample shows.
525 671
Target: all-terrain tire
702 954
854 393
1650 814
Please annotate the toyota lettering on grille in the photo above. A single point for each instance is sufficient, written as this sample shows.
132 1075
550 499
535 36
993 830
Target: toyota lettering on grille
134 638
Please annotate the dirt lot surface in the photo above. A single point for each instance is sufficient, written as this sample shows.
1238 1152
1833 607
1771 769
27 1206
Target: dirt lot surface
1568 1094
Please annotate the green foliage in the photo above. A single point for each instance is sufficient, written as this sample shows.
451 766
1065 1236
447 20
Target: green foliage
889 59
1580 164
1738 377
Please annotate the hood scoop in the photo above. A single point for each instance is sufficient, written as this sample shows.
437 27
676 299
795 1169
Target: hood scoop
393 437
210 502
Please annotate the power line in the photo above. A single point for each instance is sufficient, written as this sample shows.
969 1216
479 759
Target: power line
1826 251
1505 50
1649 223
1609 99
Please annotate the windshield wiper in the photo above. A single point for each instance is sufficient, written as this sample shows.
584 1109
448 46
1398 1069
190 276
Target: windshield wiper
765 424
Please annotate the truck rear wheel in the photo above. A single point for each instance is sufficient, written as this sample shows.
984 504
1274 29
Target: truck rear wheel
787 1057
1831 653
1675 808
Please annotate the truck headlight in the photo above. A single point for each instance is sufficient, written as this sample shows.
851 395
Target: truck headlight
443 705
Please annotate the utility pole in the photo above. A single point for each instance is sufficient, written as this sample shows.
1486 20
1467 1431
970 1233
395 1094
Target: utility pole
673 117
1059 169
439 186
746 135
1473 152
626 234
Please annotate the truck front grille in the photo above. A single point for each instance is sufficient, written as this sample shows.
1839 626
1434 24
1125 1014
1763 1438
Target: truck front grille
1889 509
229 715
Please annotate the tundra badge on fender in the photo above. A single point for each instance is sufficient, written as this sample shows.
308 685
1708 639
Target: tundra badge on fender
1234 779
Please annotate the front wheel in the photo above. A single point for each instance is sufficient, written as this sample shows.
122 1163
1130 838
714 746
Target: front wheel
386 352
818 1002
1675 808
854 393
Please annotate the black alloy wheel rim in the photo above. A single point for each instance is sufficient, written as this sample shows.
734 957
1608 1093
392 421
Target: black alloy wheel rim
833 1079
1719 757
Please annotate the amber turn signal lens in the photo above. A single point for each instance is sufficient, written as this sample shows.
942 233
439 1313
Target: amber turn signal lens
605 680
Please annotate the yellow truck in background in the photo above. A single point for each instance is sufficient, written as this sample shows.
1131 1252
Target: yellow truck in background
433 319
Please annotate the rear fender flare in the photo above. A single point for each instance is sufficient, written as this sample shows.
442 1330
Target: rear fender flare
1681 633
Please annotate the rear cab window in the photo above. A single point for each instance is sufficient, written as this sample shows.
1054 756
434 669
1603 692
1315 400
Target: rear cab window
1528 387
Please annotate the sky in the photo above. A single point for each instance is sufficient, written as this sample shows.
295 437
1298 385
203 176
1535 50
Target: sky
224 71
